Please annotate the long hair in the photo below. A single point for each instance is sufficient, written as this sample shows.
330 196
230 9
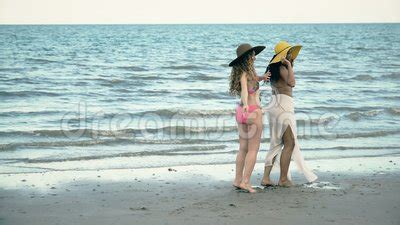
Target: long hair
246 65
274 68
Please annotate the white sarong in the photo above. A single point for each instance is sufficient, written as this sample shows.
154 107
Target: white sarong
281 115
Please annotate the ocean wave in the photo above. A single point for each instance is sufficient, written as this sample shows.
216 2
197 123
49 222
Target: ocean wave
204 77
103 142
154 92
355 116
109 82
11 69
207 94
122 133
133 132
136 132
392 76
363 48
183 67
342 148
123 139
193 150
148 77
371 134
189 113
33 113
314 73
390 98
116 81
14 94
49 144
166 113
23 80
40 60
366 77
339 108
327 120
363 77
132 68
367 134
394 111
185 130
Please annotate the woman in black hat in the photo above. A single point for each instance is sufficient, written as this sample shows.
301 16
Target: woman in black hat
244 83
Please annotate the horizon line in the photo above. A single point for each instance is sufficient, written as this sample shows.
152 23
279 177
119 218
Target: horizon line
245 23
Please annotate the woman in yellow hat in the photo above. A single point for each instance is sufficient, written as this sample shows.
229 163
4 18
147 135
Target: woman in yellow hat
283 141
244 84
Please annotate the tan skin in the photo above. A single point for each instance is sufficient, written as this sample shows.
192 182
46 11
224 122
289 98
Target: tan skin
283 86
288 81
249 137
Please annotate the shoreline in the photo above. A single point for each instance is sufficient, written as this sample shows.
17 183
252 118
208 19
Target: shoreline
352 166
200 194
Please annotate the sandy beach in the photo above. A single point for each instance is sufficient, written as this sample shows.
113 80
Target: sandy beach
202 194
134 124
129 112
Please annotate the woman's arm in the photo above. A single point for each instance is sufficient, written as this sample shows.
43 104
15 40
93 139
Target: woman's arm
286 72
244 92
265 77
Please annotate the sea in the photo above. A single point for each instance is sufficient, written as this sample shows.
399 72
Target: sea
97 97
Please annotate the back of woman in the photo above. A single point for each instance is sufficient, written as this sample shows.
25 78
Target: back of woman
244 84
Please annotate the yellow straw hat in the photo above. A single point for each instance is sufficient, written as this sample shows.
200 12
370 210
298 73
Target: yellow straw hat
281 50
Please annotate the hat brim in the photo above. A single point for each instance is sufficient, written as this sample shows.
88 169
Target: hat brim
295 53
256 49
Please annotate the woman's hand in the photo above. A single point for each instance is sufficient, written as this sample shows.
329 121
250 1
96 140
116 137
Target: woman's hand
245 108
286 62
267 76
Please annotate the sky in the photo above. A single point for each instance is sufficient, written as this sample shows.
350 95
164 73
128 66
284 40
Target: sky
204 11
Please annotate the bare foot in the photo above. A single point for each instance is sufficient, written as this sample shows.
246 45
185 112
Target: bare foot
285 183
247 187
236 183
267 183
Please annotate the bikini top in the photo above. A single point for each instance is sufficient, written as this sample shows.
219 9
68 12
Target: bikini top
254 89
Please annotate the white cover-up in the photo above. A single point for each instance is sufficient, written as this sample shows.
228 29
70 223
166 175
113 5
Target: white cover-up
281 115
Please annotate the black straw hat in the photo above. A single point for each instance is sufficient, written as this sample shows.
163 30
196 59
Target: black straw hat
245 49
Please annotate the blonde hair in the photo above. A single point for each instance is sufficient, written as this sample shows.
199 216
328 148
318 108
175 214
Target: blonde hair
246 65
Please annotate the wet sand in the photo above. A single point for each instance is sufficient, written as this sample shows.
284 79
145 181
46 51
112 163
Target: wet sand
197 195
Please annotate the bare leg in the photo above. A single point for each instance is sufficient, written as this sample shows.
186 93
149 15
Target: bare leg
241 155
266 179
254 136
288 143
